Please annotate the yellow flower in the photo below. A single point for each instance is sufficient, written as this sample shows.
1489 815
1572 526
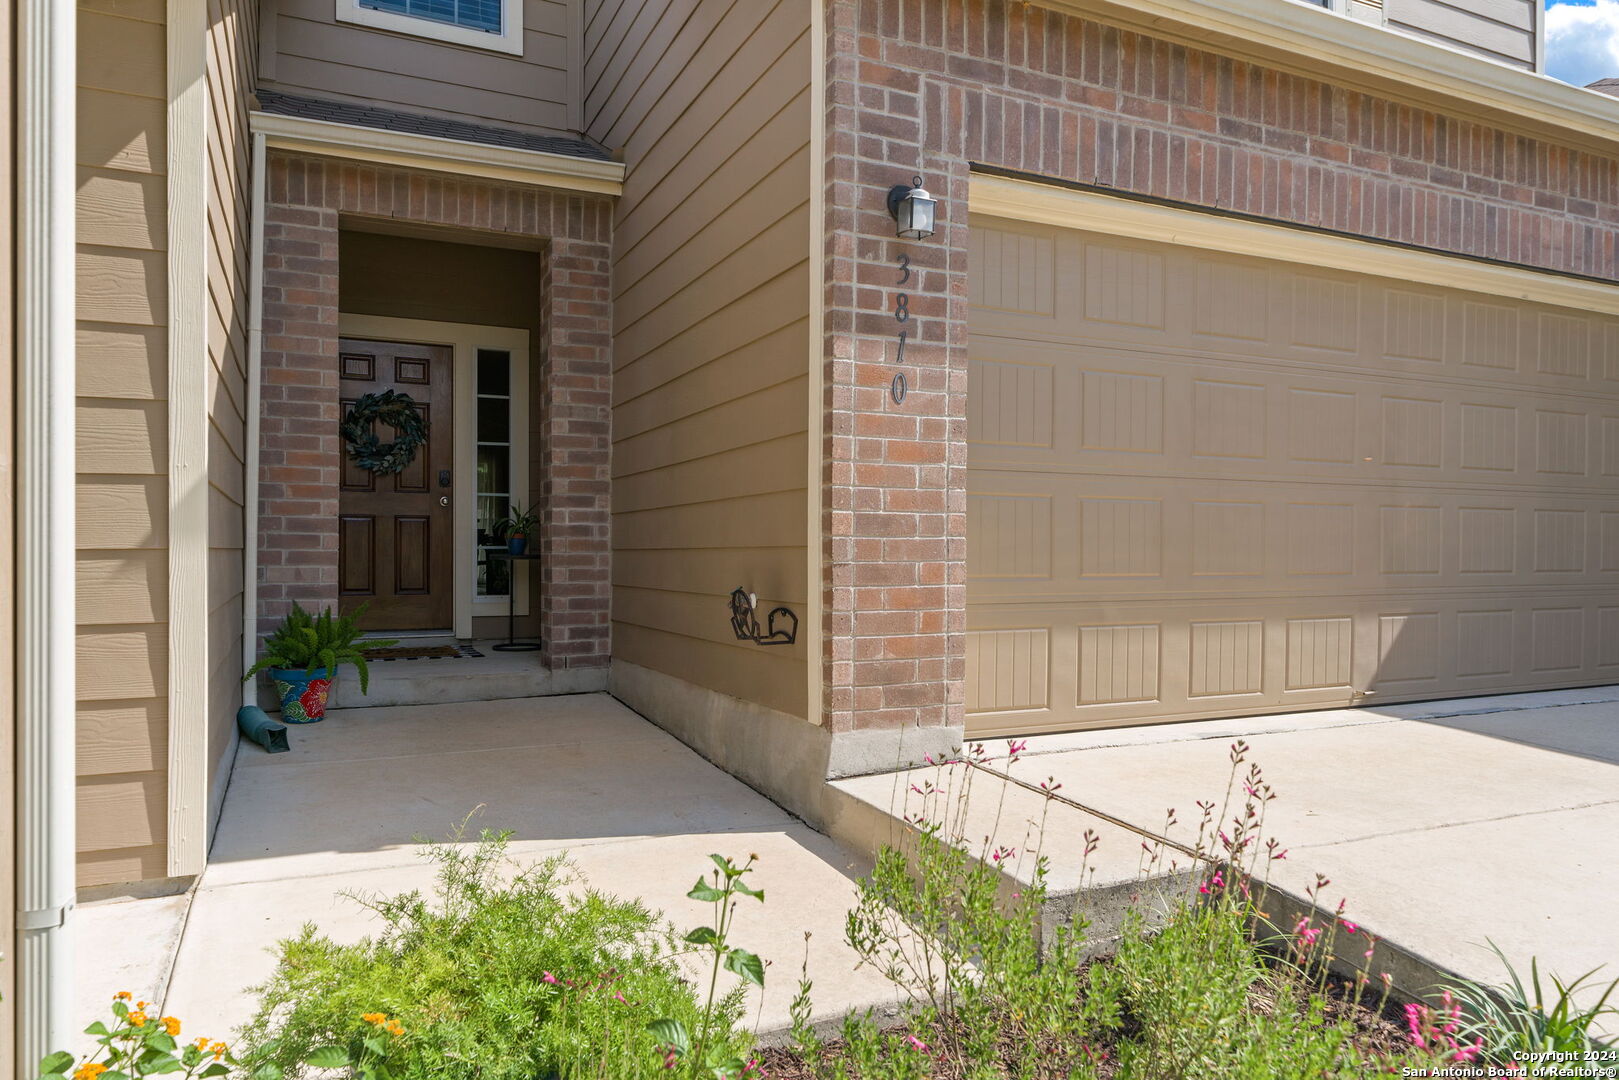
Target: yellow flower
137 1018
202 1042
141 1004
171 1025
89 1071
218 1050
395 1028
375 1018
122 995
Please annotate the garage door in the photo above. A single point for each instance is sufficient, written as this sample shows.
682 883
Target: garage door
1205 485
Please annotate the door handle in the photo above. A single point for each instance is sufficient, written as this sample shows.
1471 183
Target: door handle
444 500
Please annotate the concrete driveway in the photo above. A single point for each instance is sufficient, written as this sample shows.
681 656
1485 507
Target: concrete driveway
1444 825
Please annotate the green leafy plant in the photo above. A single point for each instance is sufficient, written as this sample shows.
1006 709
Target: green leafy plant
995 990
1529 1018
312 642
137 1044
520 522
701 1053
502 971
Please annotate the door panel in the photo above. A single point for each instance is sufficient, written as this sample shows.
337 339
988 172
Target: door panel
394 534
1204 485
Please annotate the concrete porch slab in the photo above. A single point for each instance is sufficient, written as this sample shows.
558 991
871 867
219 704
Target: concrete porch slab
636 812
491 676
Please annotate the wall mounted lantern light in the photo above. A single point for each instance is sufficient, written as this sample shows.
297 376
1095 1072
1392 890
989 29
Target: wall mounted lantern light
912 209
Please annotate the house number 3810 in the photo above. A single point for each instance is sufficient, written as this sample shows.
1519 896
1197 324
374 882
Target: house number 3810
902 315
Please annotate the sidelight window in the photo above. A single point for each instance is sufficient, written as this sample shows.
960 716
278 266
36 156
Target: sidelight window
493 421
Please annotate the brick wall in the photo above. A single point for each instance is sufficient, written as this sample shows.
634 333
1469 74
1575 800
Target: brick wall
574 481
933 86
300 451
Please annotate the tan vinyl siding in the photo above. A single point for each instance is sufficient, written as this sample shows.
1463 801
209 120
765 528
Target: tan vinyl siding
307 51
231 64
710 102
122 444
1500 29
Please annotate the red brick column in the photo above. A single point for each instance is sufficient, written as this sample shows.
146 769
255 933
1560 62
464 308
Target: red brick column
300 459
894 479
575 443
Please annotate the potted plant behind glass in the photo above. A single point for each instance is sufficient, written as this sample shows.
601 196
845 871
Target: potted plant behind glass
303 656
518 528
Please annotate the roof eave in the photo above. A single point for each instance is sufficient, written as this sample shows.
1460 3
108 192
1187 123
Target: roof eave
412 150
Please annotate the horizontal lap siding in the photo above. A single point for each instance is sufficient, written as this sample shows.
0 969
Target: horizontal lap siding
232 59
1499 29
710 101
122 445
306 50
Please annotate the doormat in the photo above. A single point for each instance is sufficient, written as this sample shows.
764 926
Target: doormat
415 652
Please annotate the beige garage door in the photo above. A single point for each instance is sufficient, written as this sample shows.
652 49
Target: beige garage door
1205 485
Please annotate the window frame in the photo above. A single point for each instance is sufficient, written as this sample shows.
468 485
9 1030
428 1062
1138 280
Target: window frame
509 40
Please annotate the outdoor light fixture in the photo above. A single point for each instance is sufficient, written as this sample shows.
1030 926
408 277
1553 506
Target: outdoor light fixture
912 209
745 621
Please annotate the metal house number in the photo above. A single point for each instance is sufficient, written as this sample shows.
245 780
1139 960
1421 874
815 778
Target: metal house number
902 315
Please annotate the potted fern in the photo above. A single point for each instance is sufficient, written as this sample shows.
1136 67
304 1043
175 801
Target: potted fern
303 656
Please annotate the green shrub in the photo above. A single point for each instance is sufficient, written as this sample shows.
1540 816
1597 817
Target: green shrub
1531 1019
503 978
1196 999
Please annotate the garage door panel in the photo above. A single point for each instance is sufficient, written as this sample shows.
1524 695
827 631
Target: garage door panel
1144 412
1202 486
1147 662
1076 535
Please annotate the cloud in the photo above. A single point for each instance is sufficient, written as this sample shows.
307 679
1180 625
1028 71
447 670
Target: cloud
1582 41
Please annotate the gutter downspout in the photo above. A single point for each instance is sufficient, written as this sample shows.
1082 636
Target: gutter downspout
250 487
46 791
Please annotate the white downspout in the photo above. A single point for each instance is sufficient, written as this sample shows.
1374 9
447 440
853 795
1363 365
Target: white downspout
46 791
250 488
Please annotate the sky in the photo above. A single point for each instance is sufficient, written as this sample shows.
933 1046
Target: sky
1582 40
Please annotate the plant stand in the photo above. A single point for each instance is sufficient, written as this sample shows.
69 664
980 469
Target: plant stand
511 644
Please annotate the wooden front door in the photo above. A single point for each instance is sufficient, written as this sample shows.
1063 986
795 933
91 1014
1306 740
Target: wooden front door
394 532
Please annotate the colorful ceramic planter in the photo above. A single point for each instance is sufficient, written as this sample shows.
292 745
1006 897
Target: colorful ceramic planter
303 693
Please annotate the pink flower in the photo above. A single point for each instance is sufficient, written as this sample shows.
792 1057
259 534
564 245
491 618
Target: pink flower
1349 926
549 978
1413 1020
916 1044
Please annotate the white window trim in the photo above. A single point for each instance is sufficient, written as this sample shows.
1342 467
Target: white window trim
509 40
464 340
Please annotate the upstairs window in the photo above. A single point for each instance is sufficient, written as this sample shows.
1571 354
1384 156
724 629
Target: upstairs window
484 24
473 14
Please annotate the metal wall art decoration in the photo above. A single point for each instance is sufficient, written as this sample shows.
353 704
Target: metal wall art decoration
391 409
745 621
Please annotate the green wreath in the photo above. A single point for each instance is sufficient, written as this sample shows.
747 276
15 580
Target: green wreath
394 410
